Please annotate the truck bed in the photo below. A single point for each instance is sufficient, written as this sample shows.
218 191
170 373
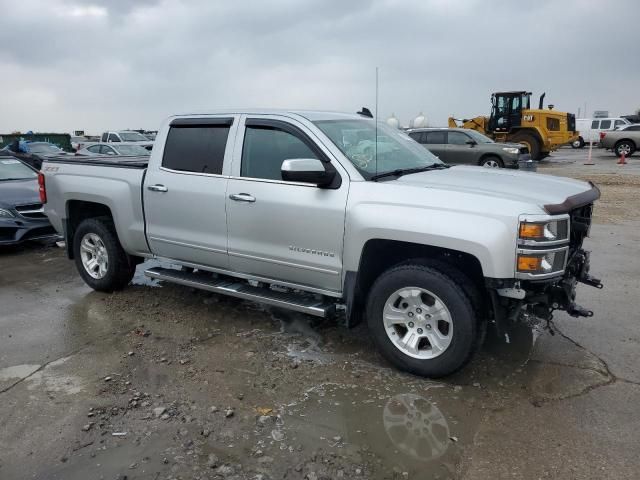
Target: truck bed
120 161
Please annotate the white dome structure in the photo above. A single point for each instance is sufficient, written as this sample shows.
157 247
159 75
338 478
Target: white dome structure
419 121
393 122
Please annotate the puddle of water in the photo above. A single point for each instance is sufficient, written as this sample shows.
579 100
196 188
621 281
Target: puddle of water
409 431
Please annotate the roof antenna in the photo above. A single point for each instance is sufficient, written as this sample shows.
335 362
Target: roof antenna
376 122
365 112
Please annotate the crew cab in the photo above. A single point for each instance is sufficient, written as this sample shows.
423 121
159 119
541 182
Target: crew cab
289 209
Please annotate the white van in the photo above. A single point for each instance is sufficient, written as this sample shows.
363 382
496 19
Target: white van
590 128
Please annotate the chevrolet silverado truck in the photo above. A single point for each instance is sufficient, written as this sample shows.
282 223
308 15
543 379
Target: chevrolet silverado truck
287 209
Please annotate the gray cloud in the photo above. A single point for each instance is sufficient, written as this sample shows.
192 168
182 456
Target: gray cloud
100 64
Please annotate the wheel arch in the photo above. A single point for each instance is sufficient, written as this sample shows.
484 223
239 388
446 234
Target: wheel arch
378 255
76 212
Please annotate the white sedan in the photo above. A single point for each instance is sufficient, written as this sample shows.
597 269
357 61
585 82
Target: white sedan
124 149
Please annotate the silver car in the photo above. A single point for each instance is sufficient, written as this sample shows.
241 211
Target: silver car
123 149
459 146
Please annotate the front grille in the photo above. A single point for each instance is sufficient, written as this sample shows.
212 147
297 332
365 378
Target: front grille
580 225
571 122
31 210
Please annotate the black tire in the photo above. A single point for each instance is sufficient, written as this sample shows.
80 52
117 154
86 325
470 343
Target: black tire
531 141
491 158
627 145
120 266
465 337
579 143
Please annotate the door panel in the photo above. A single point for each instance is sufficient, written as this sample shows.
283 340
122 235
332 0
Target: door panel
283 230
185 198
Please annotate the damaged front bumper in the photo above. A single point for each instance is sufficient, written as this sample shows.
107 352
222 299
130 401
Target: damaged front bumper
540 298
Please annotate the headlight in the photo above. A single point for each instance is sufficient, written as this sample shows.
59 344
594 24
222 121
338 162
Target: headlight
6 213
533 263
543 232
511 150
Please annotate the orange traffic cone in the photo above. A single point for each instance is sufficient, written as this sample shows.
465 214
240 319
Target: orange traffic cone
623 160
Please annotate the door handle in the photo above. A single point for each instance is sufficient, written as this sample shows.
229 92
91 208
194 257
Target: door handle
158 188
242 197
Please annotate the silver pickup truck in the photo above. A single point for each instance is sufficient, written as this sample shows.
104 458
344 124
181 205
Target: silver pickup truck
321 212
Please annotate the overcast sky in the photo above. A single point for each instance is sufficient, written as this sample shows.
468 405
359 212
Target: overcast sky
95 65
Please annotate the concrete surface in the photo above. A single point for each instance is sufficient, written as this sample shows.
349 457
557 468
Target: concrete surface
160 381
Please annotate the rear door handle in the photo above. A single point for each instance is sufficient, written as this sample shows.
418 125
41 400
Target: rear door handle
158 188
242 197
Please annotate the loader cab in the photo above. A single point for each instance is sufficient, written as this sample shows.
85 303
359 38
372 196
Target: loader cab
506 110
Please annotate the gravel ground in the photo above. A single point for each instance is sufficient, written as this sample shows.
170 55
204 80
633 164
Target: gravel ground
164 382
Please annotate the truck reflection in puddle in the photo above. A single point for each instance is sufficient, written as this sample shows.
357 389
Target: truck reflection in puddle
405 431
416 426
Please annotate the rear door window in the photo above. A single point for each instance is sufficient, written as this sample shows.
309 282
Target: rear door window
605 124
197 148
417 136
436 138
94 149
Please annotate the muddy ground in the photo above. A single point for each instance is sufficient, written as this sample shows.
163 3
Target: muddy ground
161 381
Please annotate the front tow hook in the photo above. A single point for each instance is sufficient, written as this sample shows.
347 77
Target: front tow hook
576 310
592 281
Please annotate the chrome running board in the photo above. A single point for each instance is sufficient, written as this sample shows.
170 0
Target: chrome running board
311 304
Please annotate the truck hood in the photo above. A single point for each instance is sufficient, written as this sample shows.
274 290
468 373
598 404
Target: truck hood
554 194
18 192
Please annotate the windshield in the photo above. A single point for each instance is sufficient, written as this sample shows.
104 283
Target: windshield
132 150
44 148
478 137
395 149
12 169
133 137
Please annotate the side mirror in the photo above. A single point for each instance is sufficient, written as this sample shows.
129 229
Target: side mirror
471 143
307 170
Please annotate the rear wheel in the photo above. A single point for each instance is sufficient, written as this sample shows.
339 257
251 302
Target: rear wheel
421 320
531 142
578 143
99 257
624 146
491 161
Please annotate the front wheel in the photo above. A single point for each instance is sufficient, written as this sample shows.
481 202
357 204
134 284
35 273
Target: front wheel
99 257
421 320
626 147
491 162
578 143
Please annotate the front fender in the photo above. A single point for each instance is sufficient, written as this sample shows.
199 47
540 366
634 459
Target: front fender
489 238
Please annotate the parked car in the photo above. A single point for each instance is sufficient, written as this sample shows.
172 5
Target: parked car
590 128
21 215
126 149
128 136
272 207
465 146
35 152
624 140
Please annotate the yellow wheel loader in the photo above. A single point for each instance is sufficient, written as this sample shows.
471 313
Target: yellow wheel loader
513 120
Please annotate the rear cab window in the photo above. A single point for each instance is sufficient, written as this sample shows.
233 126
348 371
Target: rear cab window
197 145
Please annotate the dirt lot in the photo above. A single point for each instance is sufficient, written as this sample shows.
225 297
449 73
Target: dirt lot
164 382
